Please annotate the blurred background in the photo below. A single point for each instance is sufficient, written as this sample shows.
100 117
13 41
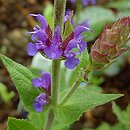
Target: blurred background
14 24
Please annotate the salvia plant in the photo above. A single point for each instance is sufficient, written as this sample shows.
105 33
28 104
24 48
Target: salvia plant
50 106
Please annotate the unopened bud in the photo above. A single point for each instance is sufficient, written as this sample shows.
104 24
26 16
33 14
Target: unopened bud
110 43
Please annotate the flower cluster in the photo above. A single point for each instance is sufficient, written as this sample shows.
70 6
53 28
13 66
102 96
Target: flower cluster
85 2
53 46
45 83
110 44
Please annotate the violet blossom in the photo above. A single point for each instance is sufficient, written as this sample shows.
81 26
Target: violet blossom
45 83
53 46
39 102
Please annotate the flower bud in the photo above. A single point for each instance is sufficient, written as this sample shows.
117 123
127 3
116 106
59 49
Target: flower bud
110 43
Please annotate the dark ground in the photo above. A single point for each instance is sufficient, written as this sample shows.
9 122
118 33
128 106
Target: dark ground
13 22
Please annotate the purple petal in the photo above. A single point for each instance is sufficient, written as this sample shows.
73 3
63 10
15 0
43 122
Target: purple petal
83 45
31 49
68 12
39 34
71 62
41 20
93 1
46 79
80 29
73 1
85 2
37 82
72 44
57 37
37 107
66 18
53 52
39 102
86 23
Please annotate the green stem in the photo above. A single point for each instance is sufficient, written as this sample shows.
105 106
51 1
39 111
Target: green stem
59 12
71 91
50 120
55 82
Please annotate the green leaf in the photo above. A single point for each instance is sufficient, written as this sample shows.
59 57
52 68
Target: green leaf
17 124
98 17
123 116
118 113
6 96
82 100
83 65
119 5
38 119
48 13
84 60
22 78
104 126
128 110
59 126
122 14
68 27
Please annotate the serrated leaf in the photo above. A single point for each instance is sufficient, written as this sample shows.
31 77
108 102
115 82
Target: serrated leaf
22 78
17 124
84 60
98 17
68 27
38 119
82 100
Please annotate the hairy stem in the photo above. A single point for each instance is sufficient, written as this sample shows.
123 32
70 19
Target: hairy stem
55 82
59 12
71 91
50 120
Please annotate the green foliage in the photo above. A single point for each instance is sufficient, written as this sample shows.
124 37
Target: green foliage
84 60
123 116
6 96
83 65
17 124
60 126
68 27
98 17
48 13
119 4
22 78
122 14
38 119
81 101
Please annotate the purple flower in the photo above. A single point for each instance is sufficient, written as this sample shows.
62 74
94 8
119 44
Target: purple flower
39 102
85 2
54 47
43 82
